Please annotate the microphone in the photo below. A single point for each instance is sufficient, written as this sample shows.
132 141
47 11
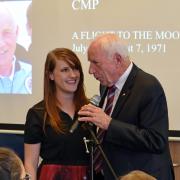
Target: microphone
94 101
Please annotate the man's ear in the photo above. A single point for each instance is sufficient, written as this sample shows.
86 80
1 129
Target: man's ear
17 31
118 58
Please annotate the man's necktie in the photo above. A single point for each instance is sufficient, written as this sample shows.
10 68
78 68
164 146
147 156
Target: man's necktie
98 159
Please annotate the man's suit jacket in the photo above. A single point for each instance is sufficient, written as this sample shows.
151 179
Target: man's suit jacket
137 137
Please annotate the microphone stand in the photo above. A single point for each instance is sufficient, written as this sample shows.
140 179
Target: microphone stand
95 142
90 143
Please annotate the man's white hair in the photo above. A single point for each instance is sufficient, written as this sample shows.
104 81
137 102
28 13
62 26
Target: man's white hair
111 44
4 10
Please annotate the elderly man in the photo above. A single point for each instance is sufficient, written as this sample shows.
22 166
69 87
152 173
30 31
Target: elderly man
133 121
15 75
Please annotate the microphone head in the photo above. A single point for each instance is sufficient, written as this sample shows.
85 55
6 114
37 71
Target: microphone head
95 100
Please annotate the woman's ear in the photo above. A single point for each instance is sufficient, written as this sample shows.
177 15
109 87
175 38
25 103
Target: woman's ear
51 76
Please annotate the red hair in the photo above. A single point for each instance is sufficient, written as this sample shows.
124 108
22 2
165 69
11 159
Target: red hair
51 109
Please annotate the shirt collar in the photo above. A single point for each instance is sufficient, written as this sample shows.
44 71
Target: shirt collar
122 79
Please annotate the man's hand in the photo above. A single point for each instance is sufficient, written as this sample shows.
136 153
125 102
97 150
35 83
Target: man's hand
96 115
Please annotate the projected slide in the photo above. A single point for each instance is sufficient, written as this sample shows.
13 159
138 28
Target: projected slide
150 28
15 37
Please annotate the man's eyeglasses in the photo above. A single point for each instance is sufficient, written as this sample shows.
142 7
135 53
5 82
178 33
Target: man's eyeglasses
27 177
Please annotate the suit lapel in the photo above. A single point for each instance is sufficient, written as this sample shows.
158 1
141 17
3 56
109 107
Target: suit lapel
126 91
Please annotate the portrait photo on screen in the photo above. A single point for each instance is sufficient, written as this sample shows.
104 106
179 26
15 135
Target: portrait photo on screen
15 38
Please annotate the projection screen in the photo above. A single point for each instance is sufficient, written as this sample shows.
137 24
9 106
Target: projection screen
151 28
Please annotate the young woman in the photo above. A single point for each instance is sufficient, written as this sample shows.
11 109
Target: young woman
48 122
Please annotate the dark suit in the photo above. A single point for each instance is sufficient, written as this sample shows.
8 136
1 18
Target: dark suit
137 137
